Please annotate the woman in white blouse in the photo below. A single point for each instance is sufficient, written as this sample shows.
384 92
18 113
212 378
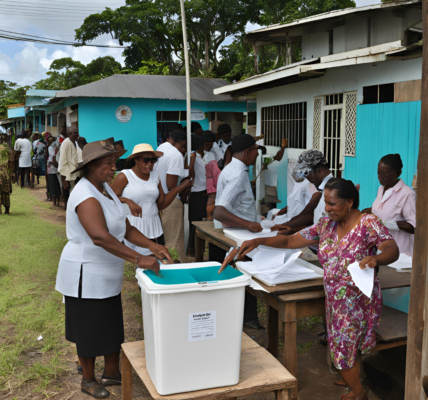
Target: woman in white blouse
91 267
140 188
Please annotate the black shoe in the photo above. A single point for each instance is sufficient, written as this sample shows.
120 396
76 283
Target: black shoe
323 338
79 370
106 381
94 389
253 323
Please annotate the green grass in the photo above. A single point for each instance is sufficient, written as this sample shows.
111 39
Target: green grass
309 323
305 347
29 305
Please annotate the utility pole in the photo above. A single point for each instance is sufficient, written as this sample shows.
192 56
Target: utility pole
417 328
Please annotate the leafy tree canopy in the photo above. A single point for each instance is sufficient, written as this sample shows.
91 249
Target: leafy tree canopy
10 93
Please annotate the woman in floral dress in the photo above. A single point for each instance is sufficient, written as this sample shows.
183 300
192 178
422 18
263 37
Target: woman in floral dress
345 236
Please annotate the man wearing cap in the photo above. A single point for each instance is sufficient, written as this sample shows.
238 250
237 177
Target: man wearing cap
225 134
235 206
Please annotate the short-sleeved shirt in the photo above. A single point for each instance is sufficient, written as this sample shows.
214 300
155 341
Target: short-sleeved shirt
68 160
102 272
24 146
398 204
220 148
234 192
212 172
299 198
51 154
171 163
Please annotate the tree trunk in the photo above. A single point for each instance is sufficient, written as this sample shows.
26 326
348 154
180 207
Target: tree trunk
207 51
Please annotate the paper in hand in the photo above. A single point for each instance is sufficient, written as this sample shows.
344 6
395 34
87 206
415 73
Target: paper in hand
363 278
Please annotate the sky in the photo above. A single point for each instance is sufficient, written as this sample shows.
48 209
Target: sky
26 63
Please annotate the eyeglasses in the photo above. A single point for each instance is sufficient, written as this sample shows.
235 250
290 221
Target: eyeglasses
146 160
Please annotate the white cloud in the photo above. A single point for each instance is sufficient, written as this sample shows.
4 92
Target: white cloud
5 65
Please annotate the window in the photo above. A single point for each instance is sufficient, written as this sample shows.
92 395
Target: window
54 119
285 121
378 94
171 116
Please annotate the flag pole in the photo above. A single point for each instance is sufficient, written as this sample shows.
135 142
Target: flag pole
188 100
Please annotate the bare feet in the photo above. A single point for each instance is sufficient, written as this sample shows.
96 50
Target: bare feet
352 396
341 382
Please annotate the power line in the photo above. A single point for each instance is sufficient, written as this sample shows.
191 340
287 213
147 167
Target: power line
39 8
58 3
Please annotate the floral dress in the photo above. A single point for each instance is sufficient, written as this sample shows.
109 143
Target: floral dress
352 318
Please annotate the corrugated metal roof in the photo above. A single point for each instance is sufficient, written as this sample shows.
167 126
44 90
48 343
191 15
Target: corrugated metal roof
149 87
41 93
330 14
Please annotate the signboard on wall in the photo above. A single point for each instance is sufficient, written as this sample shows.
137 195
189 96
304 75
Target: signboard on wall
124 114
197 115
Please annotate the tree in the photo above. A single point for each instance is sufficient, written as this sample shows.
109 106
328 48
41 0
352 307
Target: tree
10 93
152 28
65 73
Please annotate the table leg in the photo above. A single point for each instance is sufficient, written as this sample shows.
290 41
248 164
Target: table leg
199 249
126 378
283 394
272 331
290 343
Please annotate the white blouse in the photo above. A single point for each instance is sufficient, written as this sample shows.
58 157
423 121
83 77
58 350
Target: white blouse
200 183
24 146
145 194
102 272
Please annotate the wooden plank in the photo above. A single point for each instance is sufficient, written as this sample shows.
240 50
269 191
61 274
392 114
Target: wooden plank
126 377
393 325
310 308
259 372
212 240
290 343
385 346
389 278
282 394
207 228
302 296
199 249
407 91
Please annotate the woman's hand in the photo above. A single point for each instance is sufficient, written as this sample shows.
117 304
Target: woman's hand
249 246
370 262
254 227
230 257
160 251
135 209
210 211
187 183
147 262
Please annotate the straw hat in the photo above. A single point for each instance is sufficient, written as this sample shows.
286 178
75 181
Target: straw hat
94 150
144 148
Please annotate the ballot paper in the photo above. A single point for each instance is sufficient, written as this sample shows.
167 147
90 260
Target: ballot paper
242 235
363 278
403 262
267 224
272 212
279 219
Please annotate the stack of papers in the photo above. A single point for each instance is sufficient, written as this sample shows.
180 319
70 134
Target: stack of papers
404 262
241 235
279 219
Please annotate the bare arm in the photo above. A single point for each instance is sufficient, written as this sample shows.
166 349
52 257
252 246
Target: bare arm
367 211
171 181
227 218
390 254
405 226
168 198
192 173
118 186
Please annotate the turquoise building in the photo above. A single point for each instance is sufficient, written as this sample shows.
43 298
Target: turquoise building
140 108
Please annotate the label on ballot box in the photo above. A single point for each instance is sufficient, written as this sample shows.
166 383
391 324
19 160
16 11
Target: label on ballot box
202 325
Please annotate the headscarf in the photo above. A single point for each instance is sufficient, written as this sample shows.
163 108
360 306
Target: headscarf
309 161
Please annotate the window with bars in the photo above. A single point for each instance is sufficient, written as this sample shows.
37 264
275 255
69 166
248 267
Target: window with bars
286 121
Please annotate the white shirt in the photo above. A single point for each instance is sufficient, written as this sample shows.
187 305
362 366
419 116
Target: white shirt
200 182
24 146
171 163
79 154
220 148
299 198
102 272
320 209
145 194
234 192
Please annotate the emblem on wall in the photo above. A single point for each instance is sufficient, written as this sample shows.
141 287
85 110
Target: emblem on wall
123 113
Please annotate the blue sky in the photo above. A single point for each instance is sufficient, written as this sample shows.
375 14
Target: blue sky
25 62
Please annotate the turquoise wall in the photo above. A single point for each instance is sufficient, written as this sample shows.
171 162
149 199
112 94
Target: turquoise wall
97 118
383 129
16 112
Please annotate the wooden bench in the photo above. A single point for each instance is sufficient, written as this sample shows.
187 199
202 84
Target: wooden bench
392 331
260 372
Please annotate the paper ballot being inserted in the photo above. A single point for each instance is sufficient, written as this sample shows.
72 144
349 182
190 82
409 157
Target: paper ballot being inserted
363 278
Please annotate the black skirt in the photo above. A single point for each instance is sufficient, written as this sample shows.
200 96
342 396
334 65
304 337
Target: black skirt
53 186
197 211
95 325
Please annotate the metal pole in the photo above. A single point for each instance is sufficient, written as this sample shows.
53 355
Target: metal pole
188 101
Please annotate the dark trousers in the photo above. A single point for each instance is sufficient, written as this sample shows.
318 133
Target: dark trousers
250 308
24 172
197 212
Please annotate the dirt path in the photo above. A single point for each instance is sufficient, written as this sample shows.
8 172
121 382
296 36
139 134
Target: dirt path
315 380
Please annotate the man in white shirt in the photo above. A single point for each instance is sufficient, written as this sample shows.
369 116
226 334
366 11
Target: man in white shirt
23 145
170 168
68 161
225 134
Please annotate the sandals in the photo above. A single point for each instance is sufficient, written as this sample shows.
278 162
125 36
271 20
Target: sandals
94 389
351 396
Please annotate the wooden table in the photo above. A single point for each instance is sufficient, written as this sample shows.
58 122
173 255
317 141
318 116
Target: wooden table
259 372
290 301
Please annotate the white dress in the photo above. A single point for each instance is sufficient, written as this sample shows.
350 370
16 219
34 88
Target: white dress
145 194
24 146
102 272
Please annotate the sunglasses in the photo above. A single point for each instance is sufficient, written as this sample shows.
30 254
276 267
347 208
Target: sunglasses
146 160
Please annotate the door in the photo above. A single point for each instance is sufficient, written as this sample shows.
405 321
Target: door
333 138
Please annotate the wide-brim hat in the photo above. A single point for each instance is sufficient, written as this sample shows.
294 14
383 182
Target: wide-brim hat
95 150
144 148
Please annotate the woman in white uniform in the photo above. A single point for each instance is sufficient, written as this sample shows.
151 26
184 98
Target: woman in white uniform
91 267
23 146
139 187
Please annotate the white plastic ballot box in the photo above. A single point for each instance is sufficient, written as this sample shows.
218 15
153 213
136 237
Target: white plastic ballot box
193 320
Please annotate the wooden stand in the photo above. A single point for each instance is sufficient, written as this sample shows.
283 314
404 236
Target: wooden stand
260 372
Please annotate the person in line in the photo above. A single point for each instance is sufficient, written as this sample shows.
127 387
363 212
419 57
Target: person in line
62 135
23 147
35 164
81 143
235 206
196 128
313 166
39 161
47 136
91 266
68 161
344 236
395 203
170 168
6 167
121 162
139 187
58 143
224 133
301 195
52 171
199 196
